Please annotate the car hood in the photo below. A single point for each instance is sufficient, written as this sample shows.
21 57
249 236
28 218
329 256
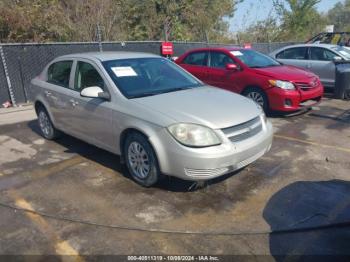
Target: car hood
284 72
209 106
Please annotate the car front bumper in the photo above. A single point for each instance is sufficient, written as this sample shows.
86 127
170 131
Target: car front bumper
289 101
209 162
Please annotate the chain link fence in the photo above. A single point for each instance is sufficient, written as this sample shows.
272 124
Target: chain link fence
25 61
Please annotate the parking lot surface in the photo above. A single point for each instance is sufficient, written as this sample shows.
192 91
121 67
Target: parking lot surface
90 206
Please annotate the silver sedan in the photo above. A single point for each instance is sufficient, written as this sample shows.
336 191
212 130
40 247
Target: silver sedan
318 58
158 117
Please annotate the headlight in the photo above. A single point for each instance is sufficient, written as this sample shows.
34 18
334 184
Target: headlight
194 135
282 84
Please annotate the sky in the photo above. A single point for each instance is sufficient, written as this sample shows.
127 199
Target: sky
252 10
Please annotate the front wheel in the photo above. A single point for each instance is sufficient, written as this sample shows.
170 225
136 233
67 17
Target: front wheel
141 160
258 96
46 127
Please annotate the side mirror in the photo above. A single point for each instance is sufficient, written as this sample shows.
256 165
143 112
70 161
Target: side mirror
94 92
232 67
337 59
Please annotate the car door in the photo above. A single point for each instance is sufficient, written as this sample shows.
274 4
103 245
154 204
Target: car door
58 80
296 56
92 117
218 74
197 64
321 63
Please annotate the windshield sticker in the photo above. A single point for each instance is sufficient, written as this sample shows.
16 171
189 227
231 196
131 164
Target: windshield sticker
122 71
236 53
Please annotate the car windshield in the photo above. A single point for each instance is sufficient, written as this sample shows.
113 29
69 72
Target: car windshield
254 59
140 77
342 51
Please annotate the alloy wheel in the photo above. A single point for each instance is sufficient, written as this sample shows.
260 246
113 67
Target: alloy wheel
257 97
138 160
45 124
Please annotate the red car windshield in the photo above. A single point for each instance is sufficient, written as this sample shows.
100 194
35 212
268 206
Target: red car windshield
254 59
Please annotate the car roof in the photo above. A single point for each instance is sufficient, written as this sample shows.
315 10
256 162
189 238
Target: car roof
309 45
318 45
328 46
229 48
109 55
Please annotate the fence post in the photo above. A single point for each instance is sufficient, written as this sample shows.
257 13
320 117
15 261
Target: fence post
21 77
9 86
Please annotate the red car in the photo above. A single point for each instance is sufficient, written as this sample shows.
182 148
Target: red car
271 84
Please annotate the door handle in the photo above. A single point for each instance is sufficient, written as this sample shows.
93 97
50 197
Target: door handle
47 93
308 66
73 102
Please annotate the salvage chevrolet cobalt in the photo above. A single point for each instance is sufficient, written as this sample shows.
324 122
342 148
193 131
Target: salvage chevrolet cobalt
158 117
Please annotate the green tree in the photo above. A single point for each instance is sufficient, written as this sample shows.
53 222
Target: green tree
83 16
34 20
66 20
339 16
299 19
264 31
205 17
187 19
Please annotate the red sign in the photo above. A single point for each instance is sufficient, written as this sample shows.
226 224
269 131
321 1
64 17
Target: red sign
167 48
247 46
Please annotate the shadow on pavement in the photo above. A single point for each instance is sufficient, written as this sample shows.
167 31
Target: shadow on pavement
112 161
309 204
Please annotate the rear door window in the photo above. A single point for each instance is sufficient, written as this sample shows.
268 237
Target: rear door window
59 73
298 53
197 58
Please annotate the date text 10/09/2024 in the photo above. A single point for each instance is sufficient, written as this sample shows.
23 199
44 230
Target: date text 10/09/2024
173 258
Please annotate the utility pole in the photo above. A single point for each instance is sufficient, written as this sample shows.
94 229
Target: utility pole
206 35
99 38
167 28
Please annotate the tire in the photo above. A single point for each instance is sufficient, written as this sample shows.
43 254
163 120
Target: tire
46 127
141 161
258 96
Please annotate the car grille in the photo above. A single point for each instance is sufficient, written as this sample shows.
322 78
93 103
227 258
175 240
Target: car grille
305 86
243 131
206 173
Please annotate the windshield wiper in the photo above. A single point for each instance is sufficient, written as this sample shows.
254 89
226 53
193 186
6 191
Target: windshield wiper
142 95
160 92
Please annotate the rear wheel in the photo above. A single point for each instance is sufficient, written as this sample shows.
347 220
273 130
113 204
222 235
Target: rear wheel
257 95
46 127
141 160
